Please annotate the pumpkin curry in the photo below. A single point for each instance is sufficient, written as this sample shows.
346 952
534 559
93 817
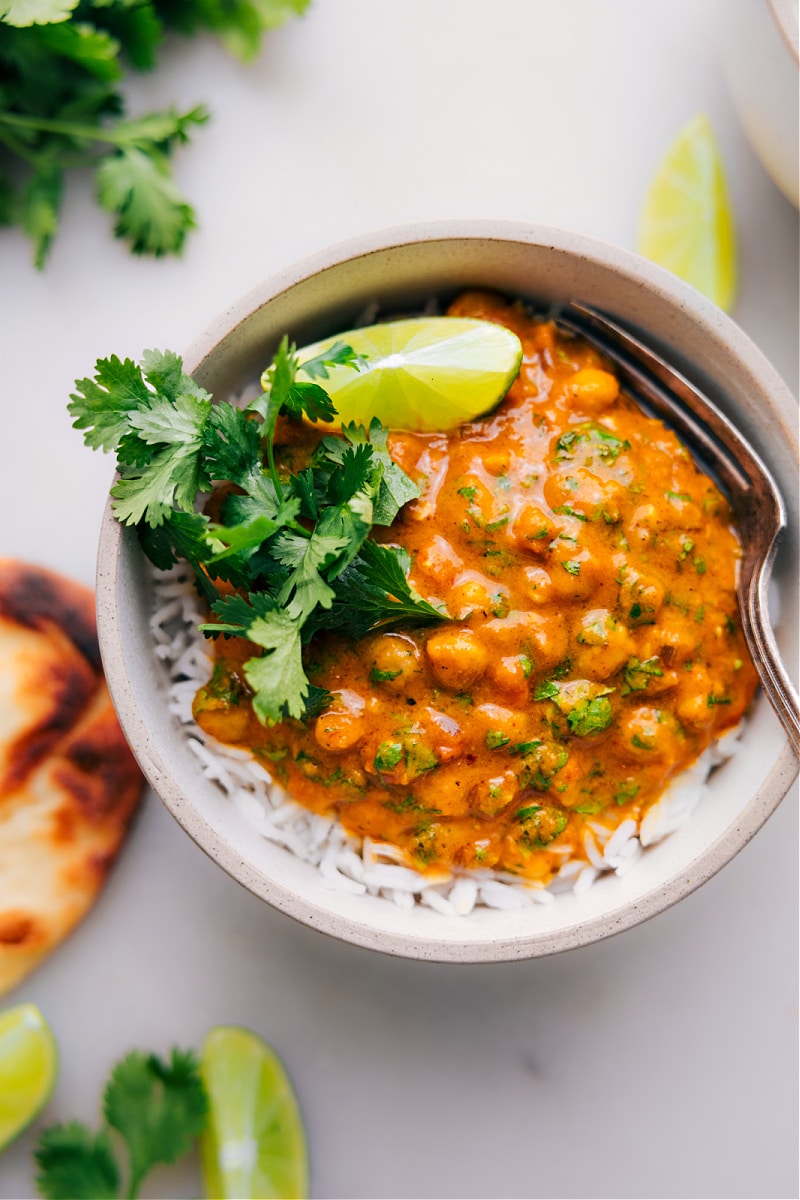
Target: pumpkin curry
593 648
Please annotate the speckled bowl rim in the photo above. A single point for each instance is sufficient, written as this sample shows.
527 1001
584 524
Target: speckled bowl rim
724 336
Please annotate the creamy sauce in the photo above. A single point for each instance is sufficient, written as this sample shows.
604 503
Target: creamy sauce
595 647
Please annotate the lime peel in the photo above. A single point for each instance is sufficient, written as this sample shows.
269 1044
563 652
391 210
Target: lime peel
422 373
28 1068
686 223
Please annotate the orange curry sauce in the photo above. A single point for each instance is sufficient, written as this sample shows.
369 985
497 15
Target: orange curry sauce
594 648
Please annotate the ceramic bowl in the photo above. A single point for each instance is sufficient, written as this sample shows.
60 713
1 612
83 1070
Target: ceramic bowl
401 269
761 56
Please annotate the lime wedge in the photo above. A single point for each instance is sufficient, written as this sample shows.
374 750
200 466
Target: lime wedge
254 1144
28 1068
687 223
422 373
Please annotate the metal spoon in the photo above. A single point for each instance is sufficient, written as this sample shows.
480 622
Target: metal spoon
725 454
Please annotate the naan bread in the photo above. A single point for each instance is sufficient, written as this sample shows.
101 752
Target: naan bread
69 785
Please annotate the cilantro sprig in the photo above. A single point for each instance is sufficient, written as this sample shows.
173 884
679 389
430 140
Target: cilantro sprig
154 1110
295 548
62 67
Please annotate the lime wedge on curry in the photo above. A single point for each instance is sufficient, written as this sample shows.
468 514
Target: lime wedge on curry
254 1144
28 1068
686 224
421 373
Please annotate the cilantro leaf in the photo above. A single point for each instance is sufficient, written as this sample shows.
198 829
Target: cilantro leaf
231 445
174 473
373 592
102 406
75 1163
278 680
36 12
61 106
590 716
163 370
309 400
637 674
391 487
180 535
138 189
339 354
172 443
158 1108
41 201
305 588
354 474
240 24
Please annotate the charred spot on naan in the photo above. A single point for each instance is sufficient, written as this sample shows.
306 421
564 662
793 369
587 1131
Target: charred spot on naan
39 599
69 784
47 684
97 771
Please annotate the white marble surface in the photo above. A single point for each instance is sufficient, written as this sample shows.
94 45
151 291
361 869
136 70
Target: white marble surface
662 1063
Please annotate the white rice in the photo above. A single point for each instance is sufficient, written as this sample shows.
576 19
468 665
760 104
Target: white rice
347 864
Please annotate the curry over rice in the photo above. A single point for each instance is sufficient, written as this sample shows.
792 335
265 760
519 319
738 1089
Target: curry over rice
594 647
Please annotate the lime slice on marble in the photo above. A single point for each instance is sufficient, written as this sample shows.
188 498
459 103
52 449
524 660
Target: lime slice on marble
28 1068
254 1143
686 224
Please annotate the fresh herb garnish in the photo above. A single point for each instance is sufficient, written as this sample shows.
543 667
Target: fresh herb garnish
637 674
61 106
295 547
158 1108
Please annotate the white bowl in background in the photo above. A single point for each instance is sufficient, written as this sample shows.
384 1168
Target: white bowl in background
761 54
401 269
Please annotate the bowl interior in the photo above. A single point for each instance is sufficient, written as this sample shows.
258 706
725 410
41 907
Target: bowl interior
401 270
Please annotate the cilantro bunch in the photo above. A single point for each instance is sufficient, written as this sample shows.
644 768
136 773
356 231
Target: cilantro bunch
294 548
62 63
156 1108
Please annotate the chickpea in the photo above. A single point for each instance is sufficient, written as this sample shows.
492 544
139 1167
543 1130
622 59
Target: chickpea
498 722
575 573
511 674
457 658
538 585
395 660
585 493
641 597
468 595
605 645
593 390
545 640
491 796
439 561
219 720
648 735
692 707
533 530
338 731
497 462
